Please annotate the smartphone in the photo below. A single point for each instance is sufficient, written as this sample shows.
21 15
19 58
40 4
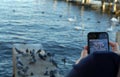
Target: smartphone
98 42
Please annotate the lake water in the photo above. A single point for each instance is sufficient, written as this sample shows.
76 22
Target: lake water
47 22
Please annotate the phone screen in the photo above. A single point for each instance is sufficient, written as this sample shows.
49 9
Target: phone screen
98 42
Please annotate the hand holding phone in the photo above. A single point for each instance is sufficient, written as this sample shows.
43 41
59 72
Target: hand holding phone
98 42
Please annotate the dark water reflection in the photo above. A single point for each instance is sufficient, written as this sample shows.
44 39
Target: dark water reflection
47 22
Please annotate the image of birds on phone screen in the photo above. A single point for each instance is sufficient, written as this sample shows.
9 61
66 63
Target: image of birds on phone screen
98 42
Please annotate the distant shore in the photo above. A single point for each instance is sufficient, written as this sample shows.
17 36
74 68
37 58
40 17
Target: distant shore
96 5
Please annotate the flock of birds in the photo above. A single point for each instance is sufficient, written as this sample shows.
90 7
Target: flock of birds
113 20
81 27
23 69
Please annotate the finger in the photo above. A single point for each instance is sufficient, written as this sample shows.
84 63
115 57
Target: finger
85 47
115 46
84 53
112 44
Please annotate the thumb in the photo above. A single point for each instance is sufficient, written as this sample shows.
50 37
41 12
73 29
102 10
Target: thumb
84 53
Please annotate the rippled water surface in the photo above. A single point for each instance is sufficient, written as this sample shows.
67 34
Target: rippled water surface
47 22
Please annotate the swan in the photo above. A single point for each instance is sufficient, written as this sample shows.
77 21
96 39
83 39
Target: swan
110 29
79 28
72 19
113 19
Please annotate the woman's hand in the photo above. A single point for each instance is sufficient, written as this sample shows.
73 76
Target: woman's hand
84 53
115 47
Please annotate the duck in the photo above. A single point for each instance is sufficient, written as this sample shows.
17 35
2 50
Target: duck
64 60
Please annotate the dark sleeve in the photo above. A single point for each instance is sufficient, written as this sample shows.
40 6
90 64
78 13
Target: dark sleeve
97 65
73 73
79 69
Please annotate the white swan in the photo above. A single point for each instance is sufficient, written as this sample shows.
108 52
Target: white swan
79 28
72 19
113 19
110 29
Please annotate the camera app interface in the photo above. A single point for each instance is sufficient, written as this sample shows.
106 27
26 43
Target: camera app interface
99 44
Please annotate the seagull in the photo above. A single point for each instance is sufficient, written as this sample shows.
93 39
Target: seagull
21 52
25 69
42 54
27 52
38 51
41 57
22 73
46 72
32 53
51 56
19 61
53 61
33 59
72 19
18 51
19 66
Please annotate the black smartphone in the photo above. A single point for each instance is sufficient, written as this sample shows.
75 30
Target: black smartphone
98 42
